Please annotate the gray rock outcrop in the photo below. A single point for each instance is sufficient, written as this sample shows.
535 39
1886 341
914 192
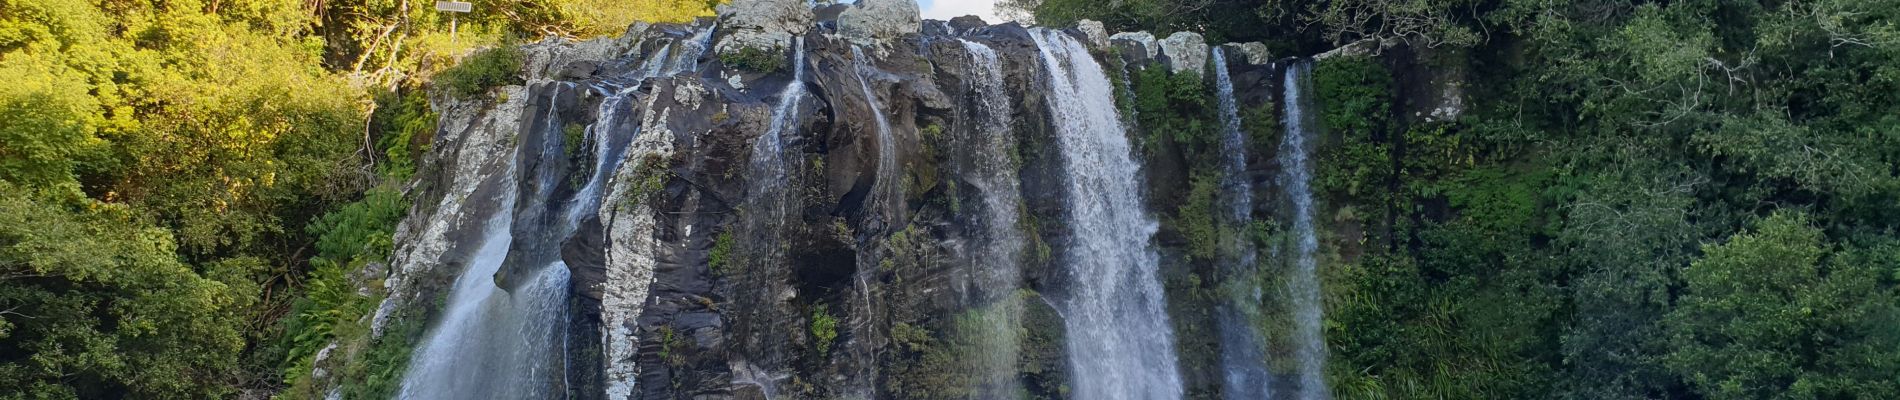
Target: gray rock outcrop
683 282
762 24
1185 52
1093 31
1136 47
1253 53
872 21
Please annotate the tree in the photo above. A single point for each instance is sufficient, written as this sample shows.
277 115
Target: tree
94 304
1767 315
1627 235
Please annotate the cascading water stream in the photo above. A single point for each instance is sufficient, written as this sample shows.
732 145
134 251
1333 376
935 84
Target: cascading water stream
888 191
687 59
610 146
1120 340
767 201
1243 353
493 343
1310 345
768 152
997 259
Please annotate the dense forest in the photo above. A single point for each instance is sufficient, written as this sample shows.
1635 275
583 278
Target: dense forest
1644 199
1679 199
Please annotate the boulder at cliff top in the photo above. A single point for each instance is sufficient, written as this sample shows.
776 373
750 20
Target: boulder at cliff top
1251 53
1136 47
1093 30
870 21
762 24
1186 51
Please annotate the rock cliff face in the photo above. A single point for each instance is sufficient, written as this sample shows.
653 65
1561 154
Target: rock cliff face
785 203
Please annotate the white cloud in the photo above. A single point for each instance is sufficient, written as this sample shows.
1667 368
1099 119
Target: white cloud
947 9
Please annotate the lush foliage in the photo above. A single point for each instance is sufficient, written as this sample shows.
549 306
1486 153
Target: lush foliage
98 305
194 192
755 60
483 70
824 328
1642 200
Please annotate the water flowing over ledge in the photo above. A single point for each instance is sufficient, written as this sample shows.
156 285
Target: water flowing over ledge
960 211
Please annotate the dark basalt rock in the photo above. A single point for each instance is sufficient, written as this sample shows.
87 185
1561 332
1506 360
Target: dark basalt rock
744 328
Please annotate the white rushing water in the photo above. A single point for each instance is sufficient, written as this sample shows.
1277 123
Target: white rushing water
1243 352
767 168
1120 341
610 139
888 190
1310 345
687 59
496 343
766 203
491 343
997 260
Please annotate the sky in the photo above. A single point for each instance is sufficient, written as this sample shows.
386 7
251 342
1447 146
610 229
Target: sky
947 9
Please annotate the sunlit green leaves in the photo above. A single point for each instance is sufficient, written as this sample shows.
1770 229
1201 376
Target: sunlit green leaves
104 307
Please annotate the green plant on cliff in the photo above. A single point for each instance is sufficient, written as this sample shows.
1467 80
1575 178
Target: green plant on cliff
1177 116
377 372
1357 96
929 367
823 329
721 254
408 125
483 70
753 59
1196 218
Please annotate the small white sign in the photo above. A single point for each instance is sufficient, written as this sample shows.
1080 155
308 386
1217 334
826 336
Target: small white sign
454 6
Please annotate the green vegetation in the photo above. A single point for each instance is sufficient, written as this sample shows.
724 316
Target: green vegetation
483 70
1755 304
1178 118
943 363
824 329
195 192
377 371
652 174
332 311
1195 217
721 254
1642 199
97 296
930 368
752 59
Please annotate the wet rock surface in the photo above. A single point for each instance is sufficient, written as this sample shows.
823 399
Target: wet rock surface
674 297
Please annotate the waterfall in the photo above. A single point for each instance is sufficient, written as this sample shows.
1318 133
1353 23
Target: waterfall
1243 353
1120 342
687 60
493 343
656 65
1310 345
610 146
766 205
997 260
767 168
888 190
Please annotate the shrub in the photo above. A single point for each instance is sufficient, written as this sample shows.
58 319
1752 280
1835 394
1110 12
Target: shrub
824 329
755 60
481 71
721 252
